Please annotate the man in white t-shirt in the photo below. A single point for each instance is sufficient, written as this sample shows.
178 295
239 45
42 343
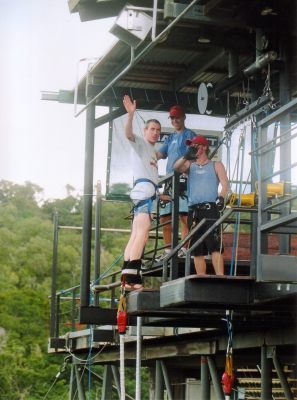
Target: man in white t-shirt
145 174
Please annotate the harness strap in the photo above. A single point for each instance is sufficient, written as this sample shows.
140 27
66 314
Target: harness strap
148 201
145 180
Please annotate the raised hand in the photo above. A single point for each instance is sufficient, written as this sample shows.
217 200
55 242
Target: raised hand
129 105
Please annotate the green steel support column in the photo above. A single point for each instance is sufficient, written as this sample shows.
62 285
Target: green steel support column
166 380
87 208
158 382
215 378
282 377
107 383
116 378
266 375
79 382
72 386
205 382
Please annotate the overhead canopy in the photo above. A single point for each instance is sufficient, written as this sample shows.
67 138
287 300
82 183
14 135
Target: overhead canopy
215 43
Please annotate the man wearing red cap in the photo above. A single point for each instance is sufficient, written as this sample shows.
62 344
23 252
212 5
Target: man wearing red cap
173 148
205 201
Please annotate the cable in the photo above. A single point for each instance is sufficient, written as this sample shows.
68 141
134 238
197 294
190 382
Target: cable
62 369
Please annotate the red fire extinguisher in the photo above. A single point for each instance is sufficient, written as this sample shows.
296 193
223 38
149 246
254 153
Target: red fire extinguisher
228 376
122 316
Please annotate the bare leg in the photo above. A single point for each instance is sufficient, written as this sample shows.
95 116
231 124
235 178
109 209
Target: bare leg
200 265
166 230
218 262
140 230
184 226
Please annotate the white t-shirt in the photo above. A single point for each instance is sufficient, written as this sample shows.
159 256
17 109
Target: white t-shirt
144 165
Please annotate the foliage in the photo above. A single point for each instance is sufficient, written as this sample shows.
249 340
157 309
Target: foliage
26 239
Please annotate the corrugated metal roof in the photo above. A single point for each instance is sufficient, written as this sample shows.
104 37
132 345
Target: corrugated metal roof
180 62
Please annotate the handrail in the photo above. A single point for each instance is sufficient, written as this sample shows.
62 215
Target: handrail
200 240
188 237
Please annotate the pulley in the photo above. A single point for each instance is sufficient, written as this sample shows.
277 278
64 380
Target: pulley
206 98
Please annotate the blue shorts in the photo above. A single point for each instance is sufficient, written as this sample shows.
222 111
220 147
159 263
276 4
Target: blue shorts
182 207
147 207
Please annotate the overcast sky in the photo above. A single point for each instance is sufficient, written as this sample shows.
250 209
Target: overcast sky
41 44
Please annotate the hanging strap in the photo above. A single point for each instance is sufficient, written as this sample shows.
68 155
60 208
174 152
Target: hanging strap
228 375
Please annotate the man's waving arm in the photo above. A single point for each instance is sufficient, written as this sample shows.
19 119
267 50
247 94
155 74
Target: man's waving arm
130 107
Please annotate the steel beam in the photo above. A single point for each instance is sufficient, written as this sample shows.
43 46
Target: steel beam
79 372
205 382
158 381
282 377
107 383
215 378
266 375
87 208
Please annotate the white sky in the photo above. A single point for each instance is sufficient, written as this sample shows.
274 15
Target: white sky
41 141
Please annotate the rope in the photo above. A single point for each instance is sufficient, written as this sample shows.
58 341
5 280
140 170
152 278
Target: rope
228 375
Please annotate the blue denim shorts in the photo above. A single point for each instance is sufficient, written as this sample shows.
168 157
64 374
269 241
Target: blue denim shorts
183 207
146 208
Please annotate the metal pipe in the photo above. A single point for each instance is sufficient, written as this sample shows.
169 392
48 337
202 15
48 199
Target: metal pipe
72 393
122 367
79 382
174 224
248 110
97 247
110 116
166 380
205 383
215 379
233 63
136 59
57 321
109 149
260 62
272 141
138 359
54 278
73 311
116 378
148 9
158 381
283 380
155 7
106 393
87 207
266 380
287 108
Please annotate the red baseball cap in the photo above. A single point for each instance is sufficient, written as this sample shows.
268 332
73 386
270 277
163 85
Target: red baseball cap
199 139
176 111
